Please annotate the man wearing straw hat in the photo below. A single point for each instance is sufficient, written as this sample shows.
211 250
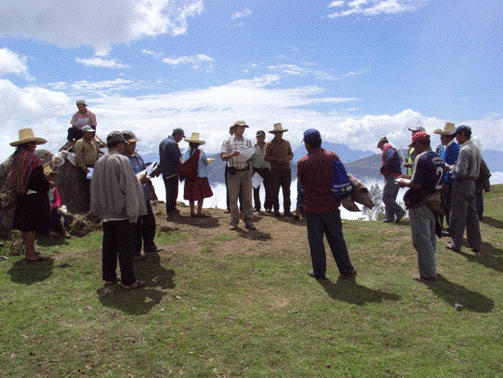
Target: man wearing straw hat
279 154
450 154
239 174
169 160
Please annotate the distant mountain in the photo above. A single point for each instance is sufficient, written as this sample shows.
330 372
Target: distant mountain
361 164
345 153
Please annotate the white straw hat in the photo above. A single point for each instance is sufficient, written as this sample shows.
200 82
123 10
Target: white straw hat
27 136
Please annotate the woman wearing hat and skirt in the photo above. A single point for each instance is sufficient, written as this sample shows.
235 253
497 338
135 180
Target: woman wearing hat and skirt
29 184
193 170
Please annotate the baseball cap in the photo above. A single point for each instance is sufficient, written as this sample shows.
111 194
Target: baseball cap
419 136
382 140
129 136
415 129
179 131
311 135
116 136
88 129
240 122
81 102
261 133
467 129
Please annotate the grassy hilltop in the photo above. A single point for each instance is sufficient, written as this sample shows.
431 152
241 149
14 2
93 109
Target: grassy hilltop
225 304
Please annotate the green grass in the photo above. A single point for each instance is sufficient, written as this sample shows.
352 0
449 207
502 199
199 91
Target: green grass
218 305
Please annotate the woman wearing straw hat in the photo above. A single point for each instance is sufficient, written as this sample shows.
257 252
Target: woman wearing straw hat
28 182
197 187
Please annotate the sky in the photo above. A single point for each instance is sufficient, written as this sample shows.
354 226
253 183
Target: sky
356 70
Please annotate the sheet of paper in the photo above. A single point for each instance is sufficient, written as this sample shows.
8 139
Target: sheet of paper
151 168
245 153
90 173
257 180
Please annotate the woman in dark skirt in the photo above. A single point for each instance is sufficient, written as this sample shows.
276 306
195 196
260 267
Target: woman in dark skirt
193 169
28 182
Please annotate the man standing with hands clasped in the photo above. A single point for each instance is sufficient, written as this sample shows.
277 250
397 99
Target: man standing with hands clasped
239 175
279 153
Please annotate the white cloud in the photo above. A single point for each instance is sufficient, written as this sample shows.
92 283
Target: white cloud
103 88
100 62
12 63
67 23
244 13
371 8
356 73
156 55
294 70
335 4
195 60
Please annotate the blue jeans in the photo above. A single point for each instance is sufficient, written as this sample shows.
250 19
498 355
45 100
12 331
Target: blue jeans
330 225
424 239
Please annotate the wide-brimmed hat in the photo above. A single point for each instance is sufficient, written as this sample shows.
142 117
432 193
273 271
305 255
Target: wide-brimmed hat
449 129
27 136
420 136
194 138
240 122
278 128
130 136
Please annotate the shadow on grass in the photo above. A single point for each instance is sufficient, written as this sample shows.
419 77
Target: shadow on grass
456 294
253 234
134 302
349 291
50 242
496 223
141 301
28 273
207 222
490 257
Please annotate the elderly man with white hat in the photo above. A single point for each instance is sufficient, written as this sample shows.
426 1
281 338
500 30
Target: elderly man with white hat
237 151
279 153
450 154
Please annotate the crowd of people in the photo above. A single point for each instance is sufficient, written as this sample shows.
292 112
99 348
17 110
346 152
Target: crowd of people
118 190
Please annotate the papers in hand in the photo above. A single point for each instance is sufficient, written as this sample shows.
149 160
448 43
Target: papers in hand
245 153
210 160
90 173
402 181
257 180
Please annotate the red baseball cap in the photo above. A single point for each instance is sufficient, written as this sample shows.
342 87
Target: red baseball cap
420 136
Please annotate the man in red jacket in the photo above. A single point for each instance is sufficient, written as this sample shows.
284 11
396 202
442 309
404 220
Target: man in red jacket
321 208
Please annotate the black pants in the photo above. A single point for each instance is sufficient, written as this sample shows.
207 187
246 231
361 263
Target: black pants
86 184
281 178
118 242
265 174
171 185
144 230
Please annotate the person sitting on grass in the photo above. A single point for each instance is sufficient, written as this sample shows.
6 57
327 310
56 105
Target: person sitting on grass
194 171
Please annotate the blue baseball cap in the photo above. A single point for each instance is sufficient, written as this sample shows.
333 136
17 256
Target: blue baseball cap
311 135
467 129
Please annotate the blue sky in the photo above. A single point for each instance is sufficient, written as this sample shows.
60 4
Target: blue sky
356 70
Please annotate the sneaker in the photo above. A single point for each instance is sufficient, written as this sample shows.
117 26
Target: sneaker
350 275
452 247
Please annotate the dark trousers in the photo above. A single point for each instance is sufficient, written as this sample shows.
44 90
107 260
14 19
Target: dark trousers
86 185
171 185
479 203
265 174
281 178
144 230
330 225
118 242
446 202
227 197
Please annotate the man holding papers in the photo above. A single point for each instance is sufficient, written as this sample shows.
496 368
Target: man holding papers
86 154
237 151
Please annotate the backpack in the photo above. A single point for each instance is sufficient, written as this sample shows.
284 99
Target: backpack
341 186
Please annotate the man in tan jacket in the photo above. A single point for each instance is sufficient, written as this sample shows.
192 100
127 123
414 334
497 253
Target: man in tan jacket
86 154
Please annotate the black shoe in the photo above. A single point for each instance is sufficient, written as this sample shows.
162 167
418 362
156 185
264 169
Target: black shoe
350 275
277 214
152 249
311 274
287 214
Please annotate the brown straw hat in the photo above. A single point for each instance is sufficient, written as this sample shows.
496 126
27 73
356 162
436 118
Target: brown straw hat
27 136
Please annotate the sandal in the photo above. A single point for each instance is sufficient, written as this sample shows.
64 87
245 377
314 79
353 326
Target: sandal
134 285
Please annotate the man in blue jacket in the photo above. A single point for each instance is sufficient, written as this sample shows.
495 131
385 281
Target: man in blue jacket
391 169
169 154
